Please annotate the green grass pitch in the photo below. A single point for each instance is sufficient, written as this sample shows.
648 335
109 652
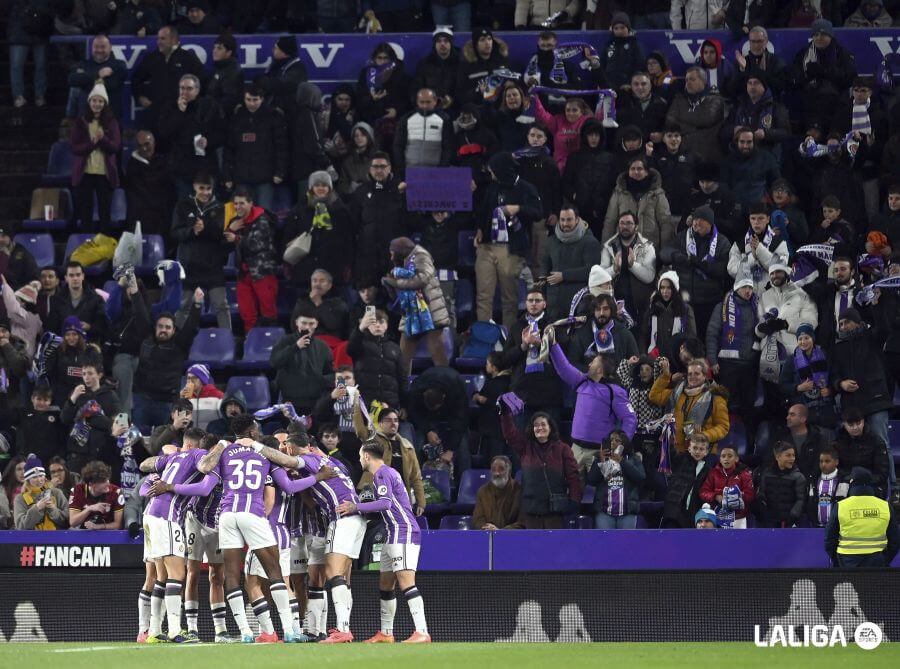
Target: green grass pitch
456 655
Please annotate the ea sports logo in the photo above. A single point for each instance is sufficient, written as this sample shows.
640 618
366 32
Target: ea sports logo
868 636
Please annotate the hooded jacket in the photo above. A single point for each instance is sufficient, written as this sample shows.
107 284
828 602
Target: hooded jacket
378 368
354 170
256 146
652 210
220 426
508 188
255 244
721 76
473 69
438 74
203 256
590 175
566 135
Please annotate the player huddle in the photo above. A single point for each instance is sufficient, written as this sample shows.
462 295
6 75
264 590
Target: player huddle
298 514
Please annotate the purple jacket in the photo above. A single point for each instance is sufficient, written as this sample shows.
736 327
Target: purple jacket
81 145
599 407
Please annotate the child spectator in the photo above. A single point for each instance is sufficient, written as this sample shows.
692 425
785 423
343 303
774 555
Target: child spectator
689 472
37 427
199 384
729 487
377 360
618 475
780 489
826 488
705 518
497 383
333 442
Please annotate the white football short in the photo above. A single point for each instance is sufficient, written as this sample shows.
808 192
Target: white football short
299 555
345 536
399 557
202 541
253 567
315 550
162 538
241 527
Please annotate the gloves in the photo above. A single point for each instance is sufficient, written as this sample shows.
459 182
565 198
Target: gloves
780 324
511 403
768 327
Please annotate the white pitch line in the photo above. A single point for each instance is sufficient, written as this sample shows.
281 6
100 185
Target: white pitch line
143 647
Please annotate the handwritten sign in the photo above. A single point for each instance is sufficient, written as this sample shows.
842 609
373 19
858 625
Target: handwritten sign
439 189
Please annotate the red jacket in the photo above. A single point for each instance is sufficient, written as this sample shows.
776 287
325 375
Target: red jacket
718 478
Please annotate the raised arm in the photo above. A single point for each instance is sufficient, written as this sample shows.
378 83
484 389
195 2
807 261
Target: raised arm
275 456
211 460
153 464
570 375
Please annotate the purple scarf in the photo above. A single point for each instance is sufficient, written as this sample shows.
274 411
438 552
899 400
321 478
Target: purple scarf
710 252
603 339
729 346
815 367
377 75
500 226
532 361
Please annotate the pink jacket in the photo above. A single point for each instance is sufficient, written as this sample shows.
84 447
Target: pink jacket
566 136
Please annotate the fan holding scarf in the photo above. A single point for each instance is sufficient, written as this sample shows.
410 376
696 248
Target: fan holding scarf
804 378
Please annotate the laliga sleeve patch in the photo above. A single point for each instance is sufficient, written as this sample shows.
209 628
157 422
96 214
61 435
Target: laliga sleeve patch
382 490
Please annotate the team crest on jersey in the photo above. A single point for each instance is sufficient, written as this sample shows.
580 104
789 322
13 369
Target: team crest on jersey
767 121
382 490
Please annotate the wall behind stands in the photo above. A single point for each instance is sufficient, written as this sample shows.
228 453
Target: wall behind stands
332 59
531 606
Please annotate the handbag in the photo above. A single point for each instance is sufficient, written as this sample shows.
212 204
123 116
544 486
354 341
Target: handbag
298 249
557 502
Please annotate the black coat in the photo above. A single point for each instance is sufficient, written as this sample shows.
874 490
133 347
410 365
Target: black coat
38 432
859 358
780 495
867 450
677 172
281 80
542 172
523 194
178 129
684 480
378 212
157 78
149 195
397 89
226 85
590 177
704 280
307 151
64 370
438 74
538 389
441 240
91 309
332 314
203 256
807 454
256 146
455 410
331 250
632 112
100 444
161 364
124 334
378 368
21 267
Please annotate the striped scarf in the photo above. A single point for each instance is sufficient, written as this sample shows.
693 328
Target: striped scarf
532 358
814 367
825 491
859 119
729 345
710 253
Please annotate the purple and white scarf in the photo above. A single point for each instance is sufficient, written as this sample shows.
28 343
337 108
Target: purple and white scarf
532 358
859 119
501 225
606 101
710 253
729 345
616 503
377 75
603 338
814 367
757 271
825 489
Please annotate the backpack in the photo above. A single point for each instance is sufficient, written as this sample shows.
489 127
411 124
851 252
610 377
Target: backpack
484 337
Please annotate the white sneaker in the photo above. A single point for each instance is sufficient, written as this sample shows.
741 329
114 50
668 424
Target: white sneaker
19 102
40 101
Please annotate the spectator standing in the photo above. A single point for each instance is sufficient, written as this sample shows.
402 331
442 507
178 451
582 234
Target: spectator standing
697 15
602 334
617 473
630 258
760 60
758 110
747 170
870 14
123 345
827 486
138 18
37 426
89 412
623 55
481 57
438 407
807 439
14 362
498 503
199 21
330 309
570 253
539 169
437 71
700 114
354 170
39 506
858 445
303 364
641 107
780 489
639 191
760 248
729 489
804 379
226 85
424 136
101 67
22 34
17 266
689 472
668 318
440 235
377 361
148 188
382 92
80 300
590 175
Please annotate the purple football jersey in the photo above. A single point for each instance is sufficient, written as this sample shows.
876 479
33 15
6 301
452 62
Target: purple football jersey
280 515
329 494
243 472
176 468
392 501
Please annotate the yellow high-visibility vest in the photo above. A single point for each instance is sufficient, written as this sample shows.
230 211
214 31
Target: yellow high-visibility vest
863 525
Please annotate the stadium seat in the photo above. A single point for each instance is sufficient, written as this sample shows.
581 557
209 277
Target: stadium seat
483 338
40 245
423 522
469 483
474 383
440 480
60 198
258 347
282 202
465 299
456 523
641 523
737 437
587 497
231 266
407 431
255 389
118 211
77 239
286 300
153 250
894 435
422 358
59 165
208 315
213 347
466 248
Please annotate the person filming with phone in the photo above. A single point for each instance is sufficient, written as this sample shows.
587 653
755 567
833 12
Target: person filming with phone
304 365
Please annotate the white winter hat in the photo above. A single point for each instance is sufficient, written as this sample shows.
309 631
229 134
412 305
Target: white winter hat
672 276
779 266
99 91
597 278
743 281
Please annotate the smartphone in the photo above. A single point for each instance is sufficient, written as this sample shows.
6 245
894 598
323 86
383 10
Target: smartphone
370 310
303 333
121 419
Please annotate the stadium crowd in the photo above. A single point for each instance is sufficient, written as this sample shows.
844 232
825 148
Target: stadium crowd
693 278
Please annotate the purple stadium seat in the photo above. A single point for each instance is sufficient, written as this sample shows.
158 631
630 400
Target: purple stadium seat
641 523
59 165
77 239
154 250
208 314
255 389
40 245
894 436
423 522
282 202
456 523
440 479
476 350
466 248
422 358
118 211
737 437
469 483
231 266
474 383
587 497
465 298
286 299
258 347
62 216
213 347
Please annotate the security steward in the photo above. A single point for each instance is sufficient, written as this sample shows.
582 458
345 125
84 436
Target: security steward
862 530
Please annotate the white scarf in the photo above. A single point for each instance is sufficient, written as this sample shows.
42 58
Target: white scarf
677 328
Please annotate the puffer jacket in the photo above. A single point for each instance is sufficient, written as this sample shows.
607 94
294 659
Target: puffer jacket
256 146
715 424
780 495
703 282
652 211
697 14
744 261
256 244
859 357
869 451
422 140
378 368
700 118
426 280
718 479
473 69
794 305
574 259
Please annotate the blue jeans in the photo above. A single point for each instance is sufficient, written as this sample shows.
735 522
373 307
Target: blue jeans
878 424
459 16
603 521
150 412
76 104
18 53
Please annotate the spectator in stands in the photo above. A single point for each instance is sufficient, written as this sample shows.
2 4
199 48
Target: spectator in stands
700 114
473 145
834 228
780 489
193 129
511 116
859 445
22 34
64 364
636 374
689 472
667 317
590 175
21 309
256 147
284 75
17 266
660 74
796 229
729 488
742 15
535 382
570 253
156 81
378 211
303 364
377 361
382 91
226 86
496 383
324 216
498 503
602 334
136 17
39 506
481 57
617 474
504 218
437 71
163 353
307 150
630 258
232 404
148 188
438 407
870 14
550 482
197 227
708 191
61 477
760 60
6 516
83 77
706 519
199 21
13 478
821 71
760 247
697 15
424 136
354 170
399 453
758 111
415 271
88 413
827 486
332 314
699 406
642 107
808 440
95 503
176 430
341 114
440 235
700 256
804 379
199 384
539 14
252 232
37 426
747 170
623 55
719 71
95 143
124 342
14 363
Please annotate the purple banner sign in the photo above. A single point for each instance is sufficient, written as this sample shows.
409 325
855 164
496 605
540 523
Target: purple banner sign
439 188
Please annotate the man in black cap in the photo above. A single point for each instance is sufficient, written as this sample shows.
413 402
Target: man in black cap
226 86
710 192
862 530
198 20
17 265
482 56
438 69
284 74
757 110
